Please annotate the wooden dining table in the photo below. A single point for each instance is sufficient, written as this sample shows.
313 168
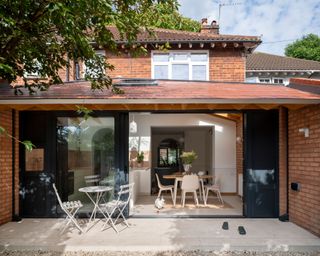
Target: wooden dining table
177 176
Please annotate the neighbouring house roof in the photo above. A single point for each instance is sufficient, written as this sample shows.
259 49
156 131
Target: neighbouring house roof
178 36
305 84
166 92
260 61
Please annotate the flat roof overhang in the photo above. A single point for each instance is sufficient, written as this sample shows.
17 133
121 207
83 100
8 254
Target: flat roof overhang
166 95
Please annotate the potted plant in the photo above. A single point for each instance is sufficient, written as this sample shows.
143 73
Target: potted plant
140 158
187 159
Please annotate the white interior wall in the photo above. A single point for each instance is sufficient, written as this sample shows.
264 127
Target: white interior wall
224 152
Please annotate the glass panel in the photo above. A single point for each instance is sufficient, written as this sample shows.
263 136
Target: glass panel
85 148
179 56
199 72
161 57
160 72
180 71
163 157
199 57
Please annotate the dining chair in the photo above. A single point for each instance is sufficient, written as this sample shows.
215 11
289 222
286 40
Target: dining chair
164 188
70 208
114 209
215 188
190 184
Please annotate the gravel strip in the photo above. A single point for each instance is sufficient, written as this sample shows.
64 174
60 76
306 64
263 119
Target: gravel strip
164 253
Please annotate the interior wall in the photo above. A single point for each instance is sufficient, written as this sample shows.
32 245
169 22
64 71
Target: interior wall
224 152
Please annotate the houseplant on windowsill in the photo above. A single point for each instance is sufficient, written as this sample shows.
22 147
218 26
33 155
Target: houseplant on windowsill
187 159
140 159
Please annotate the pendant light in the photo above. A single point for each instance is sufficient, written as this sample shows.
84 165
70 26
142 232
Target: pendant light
133 128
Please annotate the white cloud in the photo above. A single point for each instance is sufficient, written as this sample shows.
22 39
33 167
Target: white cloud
276 20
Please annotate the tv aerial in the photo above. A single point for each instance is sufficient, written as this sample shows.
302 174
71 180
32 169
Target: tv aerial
222 4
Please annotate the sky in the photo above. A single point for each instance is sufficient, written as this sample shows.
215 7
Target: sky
279 22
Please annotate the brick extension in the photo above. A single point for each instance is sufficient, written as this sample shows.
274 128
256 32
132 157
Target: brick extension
304 167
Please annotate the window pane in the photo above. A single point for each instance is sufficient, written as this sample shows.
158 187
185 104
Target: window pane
199 57
264 80
199 72
87 156
180 56
161 57
180 71
160 72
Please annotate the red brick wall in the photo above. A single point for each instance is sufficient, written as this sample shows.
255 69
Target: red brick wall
304 167
283 161
131 67
224 65
227 65
5 168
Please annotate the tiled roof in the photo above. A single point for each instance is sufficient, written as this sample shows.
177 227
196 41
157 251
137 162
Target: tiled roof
172 91
168 35
264 61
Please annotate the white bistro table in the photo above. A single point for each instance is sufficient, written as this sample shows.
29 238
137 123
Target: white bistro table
98 191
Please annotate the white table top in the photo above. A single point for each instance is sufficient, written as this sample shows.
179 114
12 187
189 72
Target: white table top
95 189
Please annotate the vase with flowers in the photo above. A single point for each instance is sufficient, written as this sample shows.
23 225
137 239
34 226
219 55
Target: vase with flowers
187 158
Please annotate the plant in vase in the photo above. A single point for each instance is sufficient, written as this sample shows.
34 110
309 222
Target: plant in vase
140 158
187 159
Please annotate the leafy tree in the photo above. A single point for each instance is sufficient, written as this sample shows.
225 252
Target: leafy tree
40 36
306 48
166 15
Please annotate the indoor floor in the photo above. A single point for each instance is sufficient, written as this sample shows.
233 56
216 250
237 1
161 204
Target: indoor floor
145 206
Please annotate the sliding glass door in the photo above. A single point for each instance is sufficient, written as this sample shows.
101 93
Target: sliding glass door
86 156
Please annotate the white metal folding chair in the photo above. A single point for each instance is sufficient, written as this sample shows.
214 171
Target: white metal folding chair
70 208
92 180
114 209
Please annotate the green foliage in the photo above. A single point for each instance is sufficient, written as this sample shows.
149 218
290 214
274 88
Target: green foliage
166 15
42 36
86 112
27 143
188 157
140 157
306 48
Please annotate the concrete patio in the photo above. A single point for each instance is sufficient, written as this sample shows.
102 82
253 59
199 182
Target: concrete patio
158 235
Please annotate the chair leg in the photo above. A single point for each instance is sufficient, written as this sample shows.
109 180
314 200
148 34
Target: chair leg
196 198
171 190
183 198
159 194
206 196
220 197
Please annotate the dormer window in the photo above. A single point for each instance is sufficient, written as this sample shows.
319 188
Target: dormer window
180 65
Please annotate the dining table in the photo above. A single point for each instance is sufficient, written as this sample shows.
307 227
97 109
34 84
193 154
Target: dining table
177 176
95 194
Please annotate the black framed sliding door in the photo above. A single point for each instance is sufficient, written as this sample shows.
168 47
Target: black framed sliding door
73 148
261 153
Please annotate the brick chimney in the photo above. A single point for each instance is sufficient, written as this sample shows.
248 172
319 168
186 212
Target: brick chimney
213 28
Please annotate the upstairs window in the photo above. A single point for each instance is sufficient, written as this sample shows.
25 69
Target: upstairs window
93 71
277 80
187 65
265 80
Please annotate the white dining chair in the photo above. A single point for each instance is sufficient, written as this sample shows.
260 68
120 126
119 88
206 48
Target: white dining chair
92 180
164 188
190 184
215 188
70 208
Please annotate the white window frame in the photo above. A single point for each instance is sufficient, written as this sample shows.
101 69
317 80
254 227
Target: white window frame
273 78
270 80
188 61
98 52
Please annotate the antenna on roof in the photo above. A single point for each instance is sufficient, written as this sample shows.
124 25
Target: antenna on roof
230 3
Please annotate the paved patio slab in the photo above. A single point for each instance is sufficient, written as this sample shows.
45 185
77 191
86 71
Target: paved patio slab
153 236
